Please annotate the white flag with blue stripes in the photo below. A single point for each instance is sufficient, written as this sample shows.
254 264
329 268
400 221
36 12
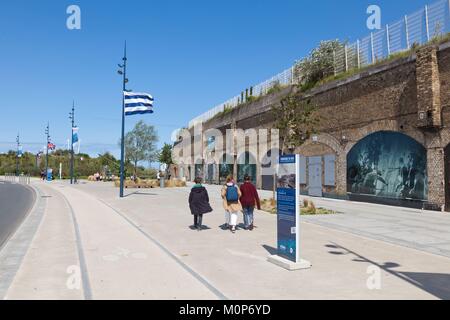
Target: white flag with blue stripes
138 103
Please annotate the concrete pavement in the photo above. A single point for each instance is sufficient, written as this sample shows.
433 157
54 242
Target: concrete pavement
82 241
418 229
236 264
141 247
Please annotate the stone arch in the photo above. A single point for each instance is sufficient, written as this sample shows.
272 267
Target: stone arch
384 125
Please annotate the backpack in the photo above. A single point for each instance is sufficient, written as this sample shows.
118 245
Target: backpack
232 194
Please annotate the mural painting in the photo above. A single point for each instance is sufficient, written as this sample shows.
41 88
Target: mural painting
389 165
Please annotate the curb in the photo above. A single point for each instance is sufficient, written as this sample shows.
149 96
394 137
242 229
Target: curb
16 247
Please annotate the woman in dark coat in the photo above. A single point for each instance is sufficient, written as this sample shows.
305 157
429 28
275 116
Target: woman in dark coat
199 203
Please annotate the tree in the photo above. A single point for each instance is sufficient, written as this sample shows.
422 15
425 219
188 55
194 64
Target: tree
318 65
165 155
296 120
140 144
109 162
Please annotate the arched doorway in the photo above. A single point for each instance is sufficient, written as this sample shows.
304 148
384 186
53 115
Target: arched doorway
210 172
388 167
246 166
268 169
225 168
199 170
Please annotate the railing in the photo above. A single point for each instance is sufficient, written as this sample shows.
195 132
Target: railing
22 179
284 78
415 29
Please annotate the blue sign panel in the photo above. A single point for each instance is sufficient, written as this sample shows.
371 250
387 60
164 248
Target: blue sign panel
287 208
50 175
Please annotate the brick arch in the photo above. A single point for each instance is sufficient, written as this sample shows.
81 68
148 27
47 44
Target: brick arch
341 158
325 139
385 125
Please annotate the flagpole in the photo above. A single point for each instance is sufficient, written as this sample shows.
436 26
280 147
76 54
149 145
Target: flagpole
17 154
47 132
72 117
122 144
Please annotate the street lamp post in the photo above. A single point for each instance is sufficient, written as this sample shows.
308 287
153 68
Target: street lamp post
72 118
47 132
17 154
123 72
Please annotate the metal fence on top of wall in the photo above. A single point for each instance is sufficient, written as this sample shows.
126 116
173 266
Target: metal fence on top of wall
415 29
284 78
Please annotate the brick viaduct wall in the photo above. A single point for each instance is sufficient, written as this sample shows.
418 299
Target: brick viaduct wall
409 95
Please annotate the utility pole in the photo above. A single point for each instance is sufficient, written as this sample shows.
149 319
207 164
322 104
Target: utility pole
17 154
123 72
72 118
47 132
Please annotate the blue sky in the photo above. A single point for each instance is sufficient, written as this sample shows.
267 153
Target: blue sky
191 55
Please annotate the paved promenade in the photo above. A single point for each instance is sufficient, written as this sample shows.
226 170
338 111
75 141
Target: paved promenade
142 247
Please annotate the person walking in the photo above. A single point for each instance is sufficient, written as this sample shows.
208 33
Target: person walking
231 203
249 200
199 203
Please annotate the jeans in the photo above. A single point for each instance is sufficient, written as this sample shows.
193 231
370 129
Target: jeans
198 220
248 216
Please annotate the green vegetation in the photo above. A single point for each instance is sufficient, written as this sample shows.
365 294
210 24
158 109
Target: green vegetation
251 99
277 87
165 156
84 164
296 120
226 110
140 145
318 65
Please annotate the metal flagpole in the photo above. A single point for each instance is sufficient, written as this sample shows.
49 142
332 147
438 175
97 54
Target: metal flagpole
17 154
72 117
47 132
123 72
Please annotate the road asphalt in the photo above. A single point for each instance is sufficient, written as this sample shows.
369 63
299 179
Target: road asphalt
15 202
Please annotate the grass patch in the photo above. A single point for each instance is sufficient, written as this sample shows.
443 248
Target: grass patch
307 209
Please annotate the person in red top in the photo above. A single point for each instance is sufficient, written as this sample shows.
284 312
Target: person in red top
249 200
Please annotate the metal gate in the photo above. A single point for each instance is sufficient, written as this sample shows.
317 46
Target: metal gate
315 176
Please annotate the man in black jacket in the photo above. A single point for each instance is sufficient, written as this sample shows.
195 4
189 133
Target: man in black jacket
199 203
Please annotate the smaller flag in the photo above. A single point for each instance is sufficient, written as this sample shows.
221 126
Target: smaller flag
75 135
137 103
19 151
51 146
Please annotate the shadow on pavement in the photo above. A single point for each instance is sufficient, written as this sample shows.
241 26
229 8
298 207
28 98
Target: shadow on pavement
271 250
203 228
437 284
140 193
